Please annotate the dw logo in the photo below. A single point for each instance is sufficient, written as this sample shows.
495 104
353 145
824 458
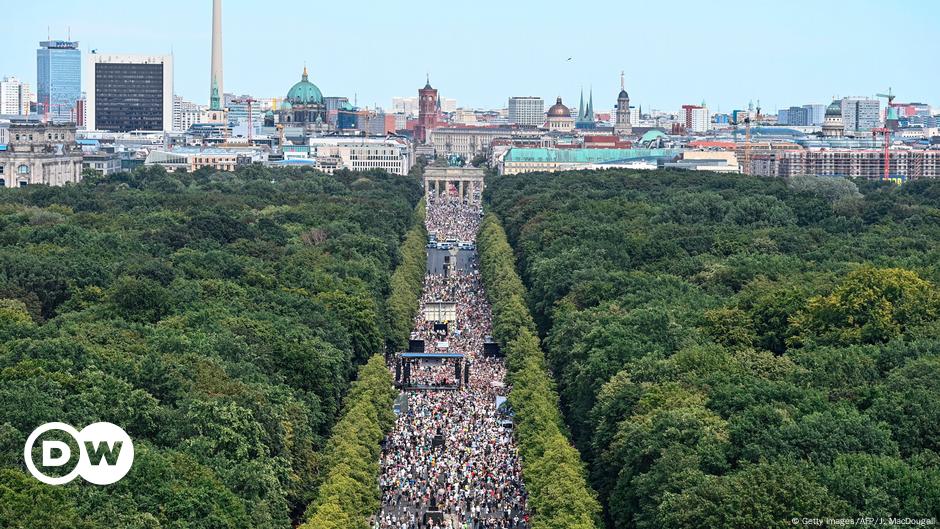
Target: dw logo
106 453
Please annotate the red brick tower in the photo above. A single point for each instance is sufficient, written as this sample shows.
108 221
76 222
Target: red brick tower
427 112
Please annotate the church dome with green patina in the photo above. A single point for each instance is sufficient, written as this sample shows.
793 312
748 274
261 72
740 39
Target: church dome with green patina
304 92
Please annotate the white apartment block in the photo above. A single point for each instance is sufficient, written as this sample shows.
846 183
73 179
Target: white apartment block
185 114
527 111
362 154
695 118
14 96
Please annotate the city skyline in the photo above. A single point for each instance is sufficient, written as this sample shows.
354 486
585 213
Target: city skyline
265 55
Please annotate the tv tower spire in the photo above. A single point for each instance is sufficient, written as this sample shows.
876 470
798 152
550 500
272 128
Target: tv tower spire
216 90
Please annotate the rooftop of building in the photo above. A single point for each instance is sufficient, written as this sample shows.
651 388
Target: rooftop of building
295 162
652 135
37 125
541 155
461 126
559 110
60 44
211 151
358 140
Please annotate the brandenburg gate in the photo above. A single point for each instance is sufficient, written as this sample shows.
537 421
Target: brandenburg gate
463 183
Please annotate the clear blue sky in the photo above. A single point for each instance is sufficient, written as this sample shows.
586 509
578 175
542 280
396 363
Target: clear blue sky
480 52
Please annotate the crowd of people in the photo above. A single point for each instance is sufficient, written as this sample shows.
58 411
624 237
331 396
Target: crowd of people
452 220
450 451
431 373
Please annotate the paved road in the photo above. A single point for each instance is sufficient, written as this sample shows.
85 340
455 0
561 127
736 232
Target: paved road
452 451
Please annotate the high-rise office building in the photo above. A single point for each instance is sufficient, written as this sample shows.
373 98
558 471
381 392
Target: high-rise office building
861 114
803 116
58 79
527 111
695 118
130 92
238 110
14 96
816 114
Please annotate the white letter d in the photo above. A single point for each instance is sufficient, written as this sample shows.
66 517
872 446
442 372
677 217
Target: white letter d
65 453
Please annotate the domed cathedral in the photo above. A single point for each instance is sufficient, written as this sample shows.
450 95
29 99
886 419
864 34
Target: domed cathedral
304 107
622 125
559 118
833 125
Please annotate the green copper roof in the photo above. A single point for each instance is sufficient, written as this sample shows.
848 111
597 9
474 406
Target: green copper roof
585 155
304 92
652 135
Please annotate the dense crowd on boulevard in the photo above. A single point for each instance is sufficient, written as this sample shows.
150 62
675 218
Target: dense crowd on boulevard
450 220
449 450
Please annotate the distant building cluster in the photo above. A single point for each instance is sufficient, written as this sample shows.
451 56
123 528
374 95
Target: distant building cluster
127 113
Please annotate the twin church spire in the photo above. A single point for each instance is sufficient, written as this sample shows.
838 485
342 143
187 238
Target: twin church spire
586 113
586 117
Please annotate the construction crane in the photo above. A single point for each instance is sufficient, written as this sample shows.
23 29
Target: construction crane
747 144
745 167
891 112
747 136
887 149
889 96
248 101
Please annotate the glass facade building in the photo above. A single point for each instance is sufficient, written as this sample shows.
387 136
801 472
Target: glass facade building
128 96
59 79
